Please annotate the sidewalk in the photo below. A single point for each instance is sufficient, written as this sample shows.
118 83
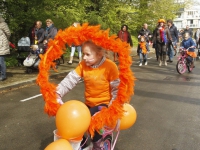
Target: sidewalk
17 77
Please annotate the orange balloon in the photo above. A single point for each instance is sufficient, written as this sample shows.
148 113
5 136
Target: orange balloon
72 119
60 144
129 117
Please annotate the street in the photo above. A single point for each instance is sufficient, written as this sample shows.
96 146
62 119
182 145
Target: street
167 106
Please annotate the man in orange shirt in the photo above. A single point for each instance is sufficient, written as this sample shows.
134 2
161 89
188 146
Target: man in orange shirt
101 79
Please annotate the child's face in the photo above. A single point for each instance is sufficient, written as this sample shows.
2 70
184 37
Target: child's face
90 56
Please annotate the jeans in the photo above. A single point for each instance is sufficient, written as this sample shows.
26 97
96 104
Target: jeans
143 56
170 51
73 48
2 67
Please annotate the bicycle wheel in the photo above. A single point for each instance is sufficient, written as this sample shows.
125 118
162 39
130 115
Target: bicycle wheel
107 142
181 66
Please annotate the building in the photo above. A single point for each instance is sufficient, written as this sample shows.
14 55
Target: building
187 16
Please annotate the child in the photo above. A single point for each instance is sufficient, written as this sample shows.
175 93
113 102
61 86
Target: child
142 50
189 44
101 79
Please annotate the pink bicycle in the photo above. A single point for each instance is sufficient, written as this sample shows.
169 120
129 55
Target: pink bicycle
184 62
108 141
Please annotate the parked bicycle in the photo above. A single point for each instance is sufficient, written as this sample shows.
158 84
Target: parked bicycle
184 62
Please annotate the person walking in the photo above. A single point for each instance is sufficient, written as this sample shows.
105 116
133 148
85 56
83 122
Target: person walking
146 33
187 30
161 37
73 48
125 36
4 47
173 43
196 37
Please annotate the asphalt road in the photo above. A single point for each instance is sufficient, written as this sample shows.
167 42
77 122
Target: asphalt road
167 105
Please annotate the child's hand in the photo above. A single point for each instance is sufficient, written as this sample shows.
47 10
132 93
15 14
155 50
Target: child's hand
59 100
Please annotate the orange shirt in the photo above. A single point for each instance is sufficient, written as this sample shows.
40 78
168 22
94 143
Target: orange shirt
97 81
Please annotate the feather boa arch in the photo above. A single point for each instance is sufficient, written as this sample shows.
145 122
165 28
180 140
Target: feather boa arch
78 35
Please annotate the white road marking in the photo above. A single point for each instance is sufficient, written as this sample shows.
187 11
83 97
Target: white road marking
149 58
30 98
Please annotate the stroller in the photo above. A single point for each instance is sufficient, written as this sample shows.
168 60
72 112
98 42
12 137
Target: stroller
23 48
33 59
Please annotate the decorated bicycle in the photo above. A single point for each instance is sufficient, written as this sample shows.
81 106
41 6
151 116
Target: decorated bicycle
187 55
108 90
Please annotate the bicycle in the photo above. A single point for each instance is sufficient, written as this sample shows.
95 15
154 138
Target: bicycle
108 142
184 61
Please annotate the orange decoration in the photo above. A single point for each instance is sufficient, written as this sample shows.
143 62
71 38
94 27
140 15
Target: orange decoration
128 118
78 35
143 47
192 54
73 119
60 144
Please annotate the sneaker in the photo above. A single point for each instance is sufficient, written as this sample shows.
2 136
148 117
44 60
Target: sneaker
145 63
160 64
98 145
165 63
2 79
69 62
140 64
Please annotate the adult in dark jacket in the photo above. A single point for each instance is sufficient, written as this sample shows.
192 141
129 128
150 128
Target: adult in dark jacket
125 36
175 39
49 33
161 37
146 33
38 31
187 30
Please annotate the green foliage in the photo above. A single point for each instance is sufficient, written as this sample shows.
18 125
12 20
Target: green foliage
21 14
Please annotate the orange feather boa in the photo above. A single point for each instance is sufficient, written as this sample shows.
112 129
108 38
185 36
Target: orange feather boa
143 47
78 35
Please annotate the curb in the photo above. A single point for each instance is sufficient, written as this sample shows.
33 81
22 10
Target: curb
30 82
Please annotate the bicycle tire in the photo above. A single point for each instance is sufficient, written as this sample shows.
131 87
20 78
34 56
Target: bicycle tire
182 65
107 142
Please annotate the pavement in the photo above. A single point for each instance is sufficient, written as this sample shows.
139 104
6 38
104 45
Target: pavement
17 76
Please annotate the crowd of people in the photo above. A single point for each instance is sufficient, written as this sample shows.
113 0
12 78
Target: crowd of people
164 39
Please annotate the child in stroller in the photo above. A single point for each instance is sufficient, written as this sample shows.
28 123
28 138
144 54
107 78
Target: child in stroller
33 59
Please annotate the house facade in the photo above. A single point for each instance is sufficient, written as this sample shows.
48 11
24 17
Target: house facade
188 16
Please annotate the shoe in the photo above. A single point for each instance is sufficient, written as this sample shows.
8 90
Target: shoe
98 145
145 63
168 60
165 63
69 62
140 64
160 64
2 79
